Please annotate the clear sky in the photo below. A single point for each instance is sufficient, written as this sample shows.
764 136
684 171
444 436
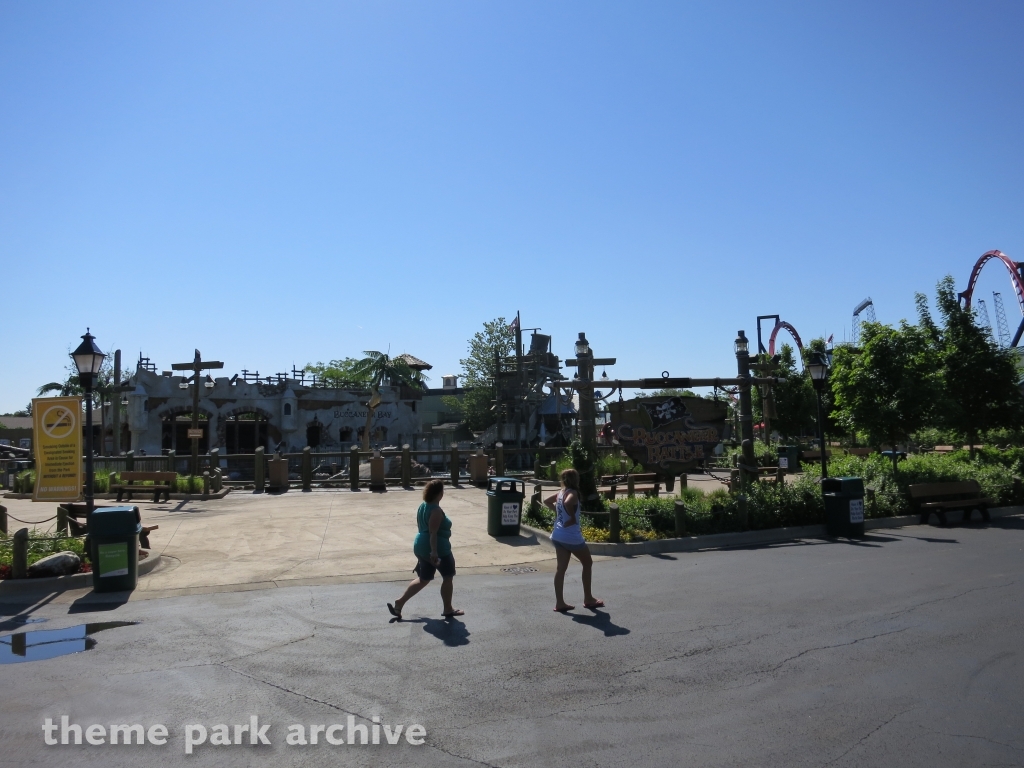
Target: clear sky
280 183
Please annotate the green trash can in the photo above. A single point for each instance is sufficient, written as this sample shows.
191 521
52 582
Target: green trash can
504 506
789 458
114 548
844 506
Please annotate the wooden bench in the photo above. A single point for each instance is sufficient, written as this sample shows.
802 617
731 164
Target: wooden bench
162 482
938 498
630 481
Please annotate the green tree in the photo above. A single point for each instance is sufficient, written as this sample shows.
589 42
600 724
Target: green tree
980 380
339 373
889 387
795 404
378 369
494 343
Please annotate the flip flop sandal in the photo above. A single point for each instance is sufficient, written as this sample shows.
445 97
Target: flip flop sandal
456 612
394 612
563 610
595 604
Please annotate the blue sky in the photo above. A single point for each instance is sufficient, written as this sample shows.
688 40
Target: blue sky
283 183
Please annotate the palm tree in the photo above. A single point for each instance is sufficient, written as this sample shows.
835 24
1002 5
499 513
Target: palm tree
378 369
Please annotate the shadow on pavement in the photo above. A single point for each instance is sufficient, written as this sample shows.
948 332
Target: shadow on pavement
518 541
93 603
450 631
600 620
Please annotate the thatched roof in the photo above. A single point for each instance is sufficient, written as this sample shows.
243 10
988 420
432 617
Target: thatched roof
414 362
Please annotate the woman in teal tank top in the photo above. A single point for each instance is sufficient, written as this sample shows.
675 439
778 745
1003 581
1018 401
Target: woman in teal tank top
433 549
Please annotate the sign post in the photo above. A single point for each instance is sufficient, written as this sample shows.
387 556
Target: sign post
197 366
57 437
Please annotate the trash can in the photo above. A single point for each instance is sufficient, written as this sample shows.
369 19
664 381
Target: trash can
114 548
504 505
844 506
789 458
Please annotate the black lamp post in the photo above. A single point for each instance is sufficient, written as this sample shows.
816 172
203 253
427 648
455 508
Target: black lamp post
88 360
818 366
746 417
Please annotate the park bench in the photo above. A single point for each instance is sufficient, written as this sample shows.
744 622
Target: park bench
162 483
938 498
630 481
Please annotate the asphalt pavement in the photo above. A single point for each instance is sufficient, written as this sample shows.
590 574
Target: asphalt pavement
900 650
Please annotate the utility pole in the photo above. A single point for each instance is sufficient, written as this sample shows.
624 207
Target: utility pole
197 366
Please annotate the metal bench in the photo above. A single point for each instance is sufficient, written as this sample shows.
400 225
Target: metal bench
162 483
938 498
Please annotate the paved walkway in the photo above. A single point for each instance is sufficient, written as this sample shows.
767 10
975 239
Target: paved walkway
255 541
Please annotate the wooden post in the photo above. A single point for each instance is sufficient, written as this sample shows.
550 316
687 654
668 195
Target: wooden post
353 468
170 461
307 469
1017 489
499 459
614 524
630 486
454 461
406 467
682 481
206 482
779 475
670 483
129 461
680 510
539 461
3 519
19 559
554 471
62 519
260 472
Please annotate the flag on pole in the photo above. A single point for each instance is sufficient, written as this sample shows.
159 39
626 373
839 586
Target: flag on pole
830 338
514 325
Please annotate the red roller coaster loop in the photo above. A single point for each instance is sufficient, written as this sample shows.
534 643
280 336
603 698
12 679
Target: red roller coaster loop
1014 268
792 332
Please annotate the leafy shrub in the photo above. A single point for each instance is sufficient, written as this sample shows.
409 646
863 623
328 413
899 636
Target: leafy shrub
994 471
40 544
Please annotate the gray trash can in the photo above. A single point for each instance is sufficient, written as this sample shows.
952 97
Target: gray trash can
114 548
789 458
844 506
504 506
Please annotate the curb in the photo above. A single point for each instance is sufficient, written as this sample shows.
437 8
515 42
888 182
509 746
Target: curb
745 538
64 583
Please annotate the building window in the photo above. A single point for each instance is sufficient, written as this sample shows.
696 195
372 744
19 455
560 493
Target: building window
287 409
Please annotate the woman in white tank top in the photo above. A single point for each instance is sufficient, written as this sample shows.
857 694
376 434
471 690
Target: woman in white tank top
568 540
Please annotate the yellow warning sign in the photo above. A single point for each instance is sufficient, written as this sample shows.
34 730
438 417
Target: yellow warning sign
57 432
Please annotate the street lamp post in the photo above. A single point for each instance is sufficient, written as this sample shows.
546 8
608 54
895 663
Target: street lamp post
88 360
818 366
746 418
585 366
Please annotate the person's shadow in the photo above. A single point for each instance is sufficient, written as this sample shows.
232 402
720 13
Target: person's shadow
602 621
449 631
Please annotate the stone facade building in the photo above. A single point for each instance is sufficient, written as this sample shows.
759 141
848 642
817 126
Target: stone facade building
239 415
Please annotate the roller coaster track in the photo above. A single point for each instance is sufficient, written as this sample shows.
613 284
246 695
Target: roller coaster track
792 332
1016 279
